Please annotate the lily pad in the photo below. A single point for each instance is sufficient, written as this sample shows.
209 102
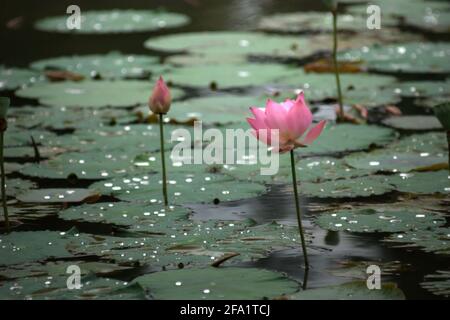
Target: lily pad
21 247
393 161
115 21
350 291
414 57
217 284
92 93
421 89
155 219
220 109
436 240
57 195
422 182
233 43
438 283
321 86
92 165
414 123
17 186
13 78
347 188
183 188
223 76
348 137
66 118
315 21
113 65
379 219
55 288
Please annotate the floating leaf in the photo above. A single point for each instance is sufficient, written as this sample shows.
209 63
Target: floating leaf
347 188
92 165
438 283
233 43
55 288
315 21
217 284
414 57
351 291
183 188
155 219
361 88
13 78
21 247
115 21
57 195
219 109
223 76
113 65
436 240
379 219
17 186
422 182
92 93
349 137
415 123
393 161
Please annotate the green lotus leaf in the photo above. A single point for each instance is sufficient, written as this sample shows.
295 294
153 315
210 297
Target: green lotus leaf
437 283
217 284
351 291
413 57
95 94
14 78
436 240
113 65
379 219
115 21
414 123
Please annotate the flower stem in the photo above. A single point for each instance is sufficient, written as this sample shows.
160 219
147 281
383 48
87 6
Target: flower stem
2 168
163 160
297 208
336 67
448 142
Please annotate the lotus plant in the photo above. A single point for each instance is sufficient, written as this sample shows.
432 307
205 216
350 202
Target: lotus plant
159 103
4 105
285 126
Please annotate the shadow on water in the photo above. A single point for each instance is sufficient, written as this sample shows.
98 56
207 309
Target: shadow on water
328 250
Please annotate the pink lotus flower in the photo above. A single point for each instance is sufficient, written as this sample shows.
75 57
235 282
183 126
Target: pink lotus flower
287 122
160 99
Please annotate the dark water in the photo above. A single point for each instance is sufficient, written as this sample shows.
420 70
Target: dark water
24 45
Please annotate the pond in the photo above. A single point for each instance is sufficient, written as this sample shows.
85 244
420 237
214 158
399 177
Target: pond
82 150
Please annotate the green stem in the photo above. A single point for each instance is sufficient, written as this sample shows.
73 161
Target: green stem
3 181
163 160
297 208
336 66
448 142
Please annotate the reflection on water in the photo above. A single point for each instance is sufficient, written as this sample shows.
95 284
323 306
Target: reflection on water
329 249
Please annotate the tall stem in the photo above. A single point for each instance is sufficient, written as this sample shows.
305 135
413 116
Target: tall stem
448 142
2 168
163 160
336 66
297 208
